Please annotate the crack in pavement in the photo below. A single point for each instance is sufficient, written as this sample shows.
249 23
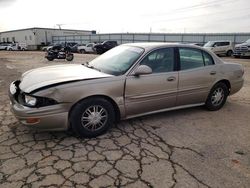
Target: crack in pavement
130 154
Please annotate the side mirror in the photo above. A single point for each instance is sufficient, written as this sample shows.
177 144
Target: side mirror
142 69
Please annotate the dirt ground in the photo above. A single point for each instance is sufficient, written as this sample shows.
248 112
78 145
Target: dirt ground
184 148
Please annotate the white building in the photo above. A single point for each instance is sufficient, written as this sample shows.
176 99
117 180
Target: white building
35 37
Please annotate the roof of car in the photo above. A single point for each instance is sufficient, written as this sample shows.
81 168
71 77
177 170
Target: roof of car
152 45
219 41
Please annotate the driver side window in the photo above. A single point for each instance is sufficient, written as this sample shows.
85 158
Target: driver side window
161 60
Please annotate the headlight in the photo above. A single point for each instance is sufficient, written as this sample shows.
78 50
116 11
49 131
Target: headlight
36 101
29 100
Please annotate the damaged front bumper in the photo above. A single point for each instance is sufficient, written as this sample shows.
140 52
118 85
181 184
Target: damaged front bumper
53 117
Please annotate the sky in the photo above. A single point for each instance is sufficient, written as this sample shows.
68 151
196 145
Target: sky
115 16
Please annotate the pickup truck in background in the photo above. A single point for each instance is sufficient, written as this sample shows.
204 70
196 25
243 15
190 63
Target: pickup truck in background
86 48
105 46
242 50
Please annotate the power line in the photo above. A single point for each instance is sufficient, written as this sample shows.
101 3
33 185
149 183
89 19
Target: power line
196 6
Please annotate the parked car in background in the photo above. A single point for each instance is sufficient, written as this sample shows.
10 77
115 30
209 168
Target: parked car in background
128 81
16 46
72 45
4 46
242 50
88 48
46 48
220 47
105 46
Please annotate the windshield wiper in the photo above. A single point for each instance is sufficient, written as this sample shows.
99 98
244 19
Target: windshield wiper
91 66
86 64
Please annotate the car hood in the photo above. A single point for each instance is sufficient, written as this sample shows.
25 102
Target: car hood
208 47
45 76
242 44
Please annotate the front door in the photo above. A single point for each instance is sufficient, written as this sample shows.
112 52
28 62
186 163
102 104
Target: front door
155 91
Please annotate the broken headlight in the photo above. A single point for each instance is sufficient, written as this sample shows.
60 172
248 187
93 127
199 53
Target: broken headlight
35 101
29 100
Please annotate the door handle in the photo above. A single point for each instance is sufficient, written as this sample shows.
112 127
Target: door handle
171 78
213 72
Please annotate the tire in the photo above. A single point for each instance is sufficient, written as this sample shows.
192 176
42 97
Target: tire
229 53
70 57
82 51
217 97
50 58
84 112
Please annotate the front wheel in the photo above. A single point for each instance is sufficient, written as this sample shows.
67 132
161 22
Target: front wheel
92 117
217 96
69 57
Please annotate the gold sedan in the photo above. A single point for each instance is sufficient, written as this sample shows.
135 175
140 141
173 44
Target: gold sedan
128 81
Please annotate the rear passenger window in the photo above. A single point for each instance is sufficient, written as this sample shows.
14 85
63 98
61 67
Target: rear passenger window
208 60
190 58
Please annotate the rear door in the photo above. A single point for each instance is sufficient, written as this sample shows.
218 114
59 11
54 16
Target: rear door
156 91
196 75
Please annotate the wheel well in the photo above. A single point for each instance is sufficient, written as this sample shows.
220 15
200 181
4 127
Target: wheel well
227 83
117 111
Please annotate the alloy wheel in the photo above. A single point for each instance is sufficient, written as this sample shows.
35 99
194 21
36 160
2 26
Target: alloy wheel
217 96
94 118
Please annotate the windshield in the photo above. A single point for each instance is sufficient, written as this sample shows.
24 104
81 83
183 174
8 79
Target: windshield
117 60
209 44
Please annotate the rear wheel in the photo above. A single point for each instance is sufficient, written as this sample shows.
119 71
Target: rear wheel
229 53
92 117
217 96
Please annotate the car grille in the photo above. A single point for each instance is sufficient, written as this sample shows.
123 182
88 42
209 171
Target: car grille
241 49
